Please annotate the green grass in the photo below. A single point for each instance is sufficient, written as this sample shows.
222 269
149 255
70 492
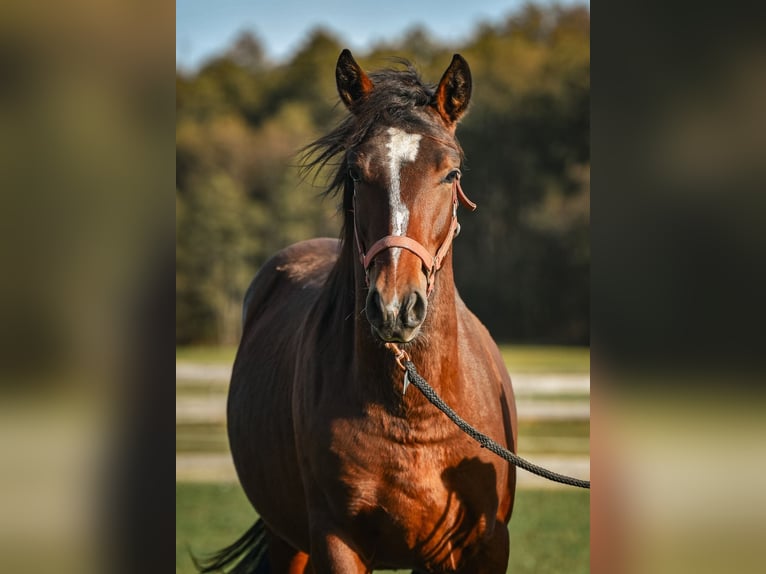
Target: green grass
546 359
208 517
550 532
518 358
207 354
562 437
202 387
201 437
549 529
554 429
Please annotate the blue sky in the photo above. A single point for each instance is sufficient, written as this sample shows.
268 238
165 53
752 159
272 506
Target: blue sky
207 27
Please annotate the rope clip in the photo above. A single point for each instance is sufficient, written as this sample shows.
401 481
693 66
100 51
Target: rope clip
400 355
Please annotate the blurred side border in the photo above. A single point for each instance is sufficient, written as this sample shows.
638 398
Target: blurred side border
677 287
87 105
87 168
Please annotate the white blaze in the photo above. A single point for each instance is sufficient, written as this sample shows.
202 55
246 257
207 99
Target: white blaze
402 147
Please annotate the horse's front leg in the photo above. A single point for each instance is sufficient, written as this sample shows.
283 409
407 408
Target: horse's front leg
492 557
331 554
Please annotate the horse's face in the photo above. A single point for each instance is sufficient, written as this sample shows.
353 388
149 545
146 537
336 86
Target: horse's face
404 181
403 188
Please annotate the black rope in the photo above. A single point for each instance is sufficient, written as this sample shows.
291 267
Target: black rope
483 439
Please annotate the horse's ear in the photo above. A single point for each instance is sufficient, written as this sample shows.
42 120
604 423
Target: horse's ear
353 83
454 92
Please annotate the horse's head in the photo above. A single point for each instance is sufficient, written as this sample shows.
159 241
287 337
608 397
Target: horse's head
403 169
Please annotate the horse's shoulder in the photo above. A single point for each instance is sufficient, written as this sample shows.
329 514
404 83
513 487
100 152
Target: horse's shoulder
300 266
307 261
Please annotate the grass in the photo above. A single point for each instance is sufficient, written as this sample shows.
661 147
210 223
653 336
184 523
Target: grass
207 354
518 358
545 359
550 532
569 437
201 437
549 529
208 517
554 428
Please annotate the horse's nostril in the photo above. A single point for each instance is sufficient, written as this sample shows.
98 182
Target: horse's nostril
414 310
409 303
374 308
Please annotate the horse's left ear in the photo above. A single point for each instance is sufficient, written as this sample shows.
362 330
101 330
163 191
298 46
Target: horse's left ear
353 83
454 92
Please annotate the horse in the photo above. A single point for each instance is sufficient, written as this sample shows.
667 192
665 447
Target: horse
347 472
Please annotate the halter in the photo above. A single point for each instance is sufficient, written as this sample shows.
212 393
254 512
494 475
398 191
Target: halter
432 263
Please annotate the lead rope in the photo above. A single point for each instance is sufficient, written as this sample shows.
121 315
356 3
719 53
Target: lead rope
412 376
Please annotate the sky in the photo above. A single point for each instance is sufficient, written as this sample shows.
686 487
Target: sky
205 28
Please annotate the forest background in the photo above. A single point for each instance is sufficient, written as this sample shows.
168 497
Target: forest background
522 261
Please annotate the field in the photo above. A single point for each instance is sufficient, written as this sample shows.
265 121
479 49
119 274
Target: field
550 526
549 530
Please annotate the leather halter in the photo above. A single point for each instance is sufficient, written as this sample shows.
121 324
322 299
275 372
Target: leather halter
432 263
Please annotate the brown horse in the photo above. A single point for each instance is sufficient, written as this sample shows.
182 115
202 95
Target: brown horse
348 472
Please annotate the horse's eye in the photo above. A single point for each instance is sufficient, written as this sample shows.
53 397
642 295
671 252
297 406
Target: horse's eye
354 173
452 176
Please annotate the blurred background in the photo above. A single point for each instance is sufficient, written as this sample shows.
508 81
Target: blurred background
254 85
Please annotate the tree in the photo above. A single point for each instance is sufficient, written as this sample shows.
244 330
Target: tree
215 253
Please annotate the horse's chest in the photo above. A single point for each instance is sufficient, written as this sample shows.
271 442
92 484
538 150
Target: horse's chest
428 499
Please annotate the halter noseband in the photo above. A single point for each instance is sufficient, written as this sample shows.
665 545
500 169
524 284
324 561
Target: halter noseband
432 263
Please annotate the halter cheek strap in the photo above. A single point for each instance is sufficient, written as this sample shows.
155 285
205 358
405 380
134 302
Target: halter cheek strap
432 263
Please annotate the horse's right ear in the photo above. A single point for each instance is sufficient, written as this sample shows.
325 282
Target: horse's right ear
454 91
353 83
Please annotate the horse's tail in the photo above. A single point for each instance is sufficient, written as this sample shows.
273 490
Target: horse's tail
251 547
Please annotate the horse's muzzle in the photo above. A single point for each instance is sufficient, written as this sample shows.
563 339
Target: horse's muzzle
396 320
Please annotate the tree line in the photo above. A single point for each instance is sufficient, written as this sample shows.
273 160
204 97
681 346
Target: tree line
522 261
